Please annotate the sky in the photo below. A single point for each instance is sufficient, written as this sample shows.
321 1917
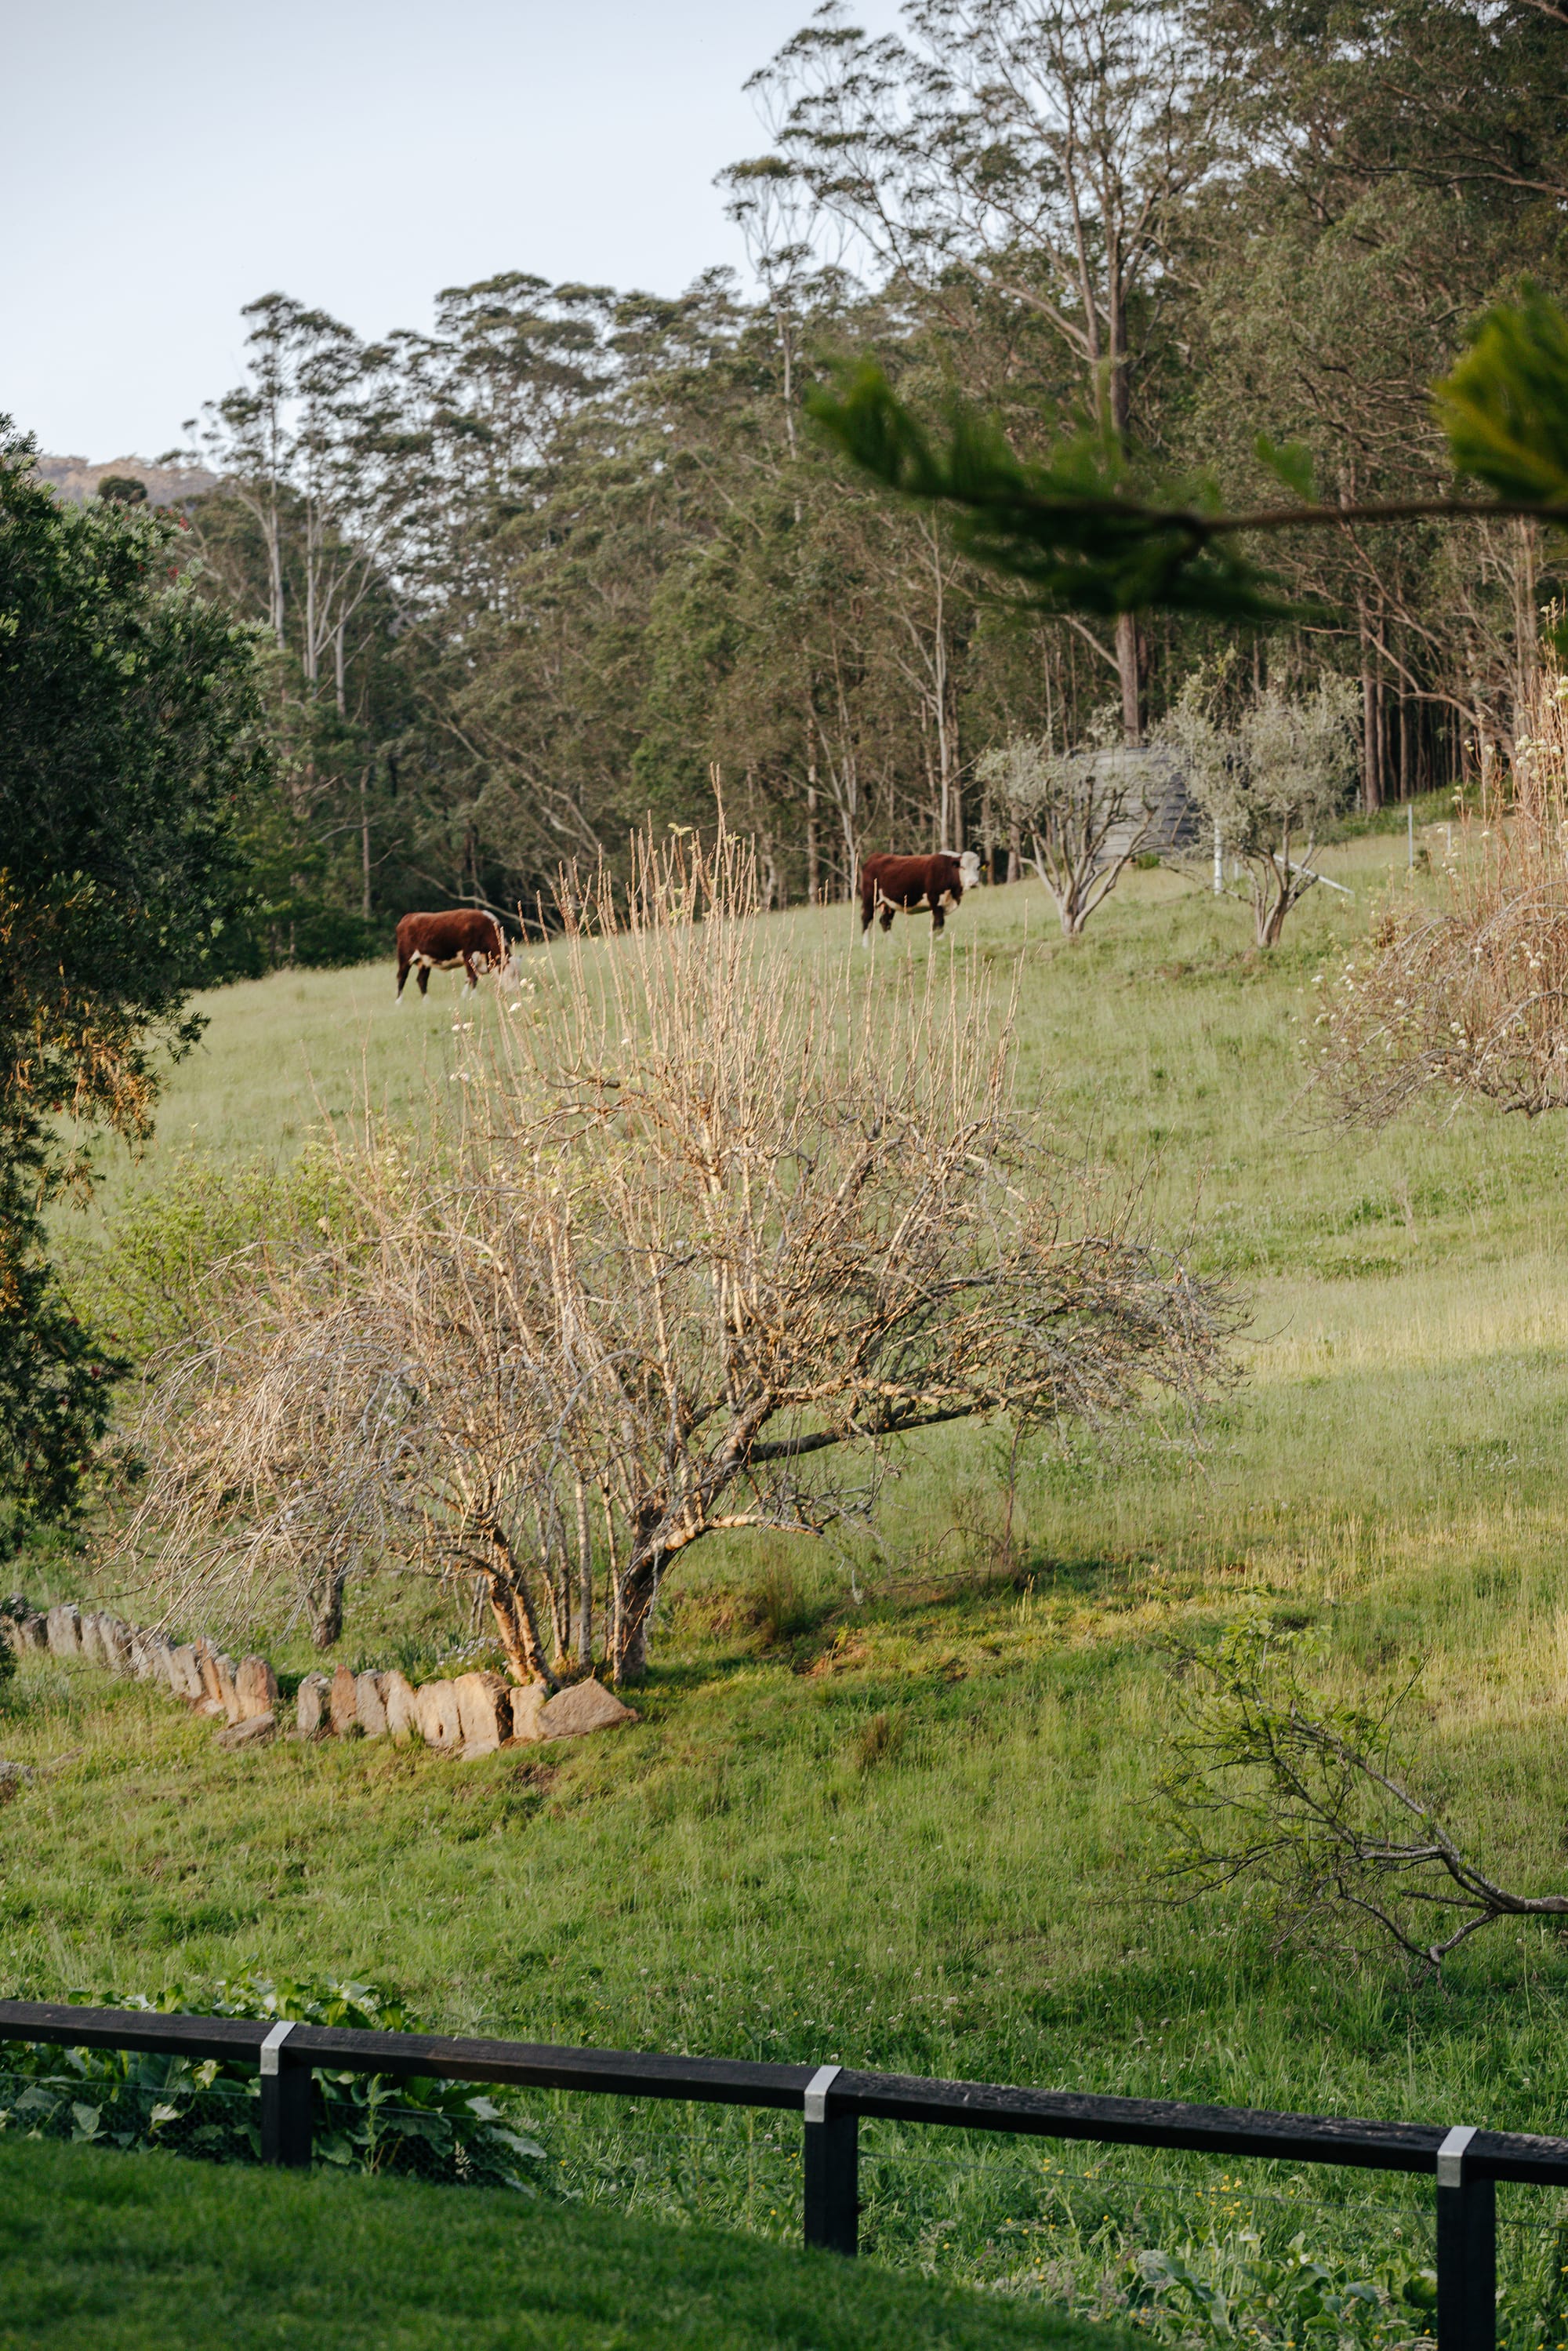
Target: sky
174 160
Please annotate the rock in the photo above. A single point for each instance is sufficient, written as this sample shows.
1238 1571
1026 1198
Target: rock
439 1722
586 1706
228 1693
371 1705
185 1673
212 1705
255 1685
89 1632
484 1711
150 1655
254 1731
207 1668
30 1633
14 1775
312 1708
345 1701
401 1702
527 1705
64 1625
115 1635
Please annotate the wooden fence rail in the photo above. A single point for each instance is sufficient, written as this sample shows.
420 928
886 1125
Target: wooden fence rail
1465 2163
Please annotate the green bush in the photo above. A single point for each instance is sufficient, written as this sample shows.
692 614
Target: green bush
433 2130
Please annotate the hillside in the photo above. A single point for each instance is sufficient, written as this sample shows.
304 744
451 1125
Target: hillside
892 1801
77 480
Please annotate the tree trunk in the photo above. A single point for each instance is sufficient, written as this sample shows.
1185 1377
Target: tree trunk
637 1591
365 843
514 1613
584 1580
325 1602
1127 670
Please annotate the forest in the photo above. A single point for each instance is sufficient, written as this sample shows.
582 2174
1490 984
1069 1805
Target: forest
577 558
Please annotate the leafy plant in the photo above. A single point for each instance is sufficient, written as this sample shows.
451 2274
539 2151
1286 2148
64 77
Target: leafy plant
361 2122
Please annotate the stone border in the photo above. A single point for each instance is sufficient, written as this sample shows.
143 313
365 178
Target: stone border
473 1715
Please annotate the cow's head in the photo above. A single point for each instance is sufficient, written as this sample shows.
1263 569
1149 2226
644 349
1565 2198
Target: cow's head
970 869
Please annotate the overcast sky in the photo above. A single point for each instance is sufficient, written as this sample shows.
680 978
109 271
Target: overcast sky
172 160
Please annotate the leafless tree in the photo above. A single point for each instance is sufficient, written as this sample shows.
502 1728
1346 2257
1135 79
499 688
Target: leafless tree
1309 1802
702 1229
1471 996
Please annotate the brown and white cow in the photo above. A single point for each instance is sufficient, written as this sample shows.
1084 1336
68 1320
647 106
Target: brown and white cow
910 883
427 943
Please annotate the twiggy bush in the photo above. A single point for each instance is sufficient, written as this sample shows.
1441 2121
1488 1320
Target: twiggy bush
694 1239
1472 998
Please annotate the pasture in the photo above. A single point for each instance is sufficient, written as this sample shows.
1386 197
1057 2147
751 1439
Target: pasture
888 1801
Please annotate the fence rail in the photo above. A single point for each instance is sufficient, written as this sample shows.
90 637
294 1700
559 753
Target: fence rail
1465 2163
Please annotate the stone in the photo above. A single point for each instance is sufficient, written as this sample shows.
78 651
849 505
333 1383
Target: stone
150 1656
185 1673
212 1705
586 1706
14 1775
313 1707
528 1705
439 1722
65 1630
254 1731
90 1634
370 1705
115 1635
207 1667
29 1633
256 1686
345 1701
484 1711
401 1702
228 1695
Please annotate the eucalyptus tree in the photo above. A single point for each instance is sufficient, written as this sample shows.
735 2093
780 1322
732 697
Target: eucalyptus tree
1038 150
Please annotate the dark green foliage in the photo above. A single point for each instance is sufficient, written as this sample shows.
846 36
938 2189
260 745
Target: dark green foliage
433 2130
130 743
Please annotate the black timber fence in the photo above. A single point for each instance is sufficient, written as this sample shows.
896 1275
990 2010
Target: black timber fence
1465 2163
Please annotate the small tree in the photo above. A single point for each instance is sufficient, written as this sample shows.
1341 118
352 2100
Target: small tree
702 1225
1269 783
1087 813
1309 1803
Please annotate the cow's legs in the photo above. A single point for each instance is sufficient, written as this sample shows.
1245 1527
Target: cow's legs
402 972
471 984
938 918
886 916
424 979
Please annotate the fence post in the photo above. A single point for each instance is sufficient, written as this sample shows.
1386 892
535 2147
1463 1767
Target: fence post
1467 2249
284 2103
832 2169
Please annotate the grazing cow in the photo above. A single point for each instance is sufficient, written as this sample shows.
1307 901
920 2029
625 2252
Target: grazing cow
427 943
911 882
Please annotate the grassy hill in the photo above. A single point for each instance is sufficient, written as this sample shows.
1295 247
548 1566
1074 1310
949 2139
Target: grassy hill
890 1803
158 2255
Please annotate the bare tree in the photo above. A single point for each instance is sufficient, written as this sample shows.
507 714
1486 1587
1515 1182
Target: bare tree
1087 813
703 1231
1309 1802
1470 996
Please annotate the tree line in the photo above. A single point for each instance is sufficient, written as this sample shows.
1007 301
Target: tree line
576 557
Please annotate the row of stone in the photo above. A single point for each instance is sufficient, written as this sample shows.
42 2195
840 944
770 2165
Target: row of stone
471 1715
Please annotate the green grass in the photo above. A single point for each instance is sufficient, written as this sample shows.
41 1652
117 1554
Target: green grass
899 1813
131 2252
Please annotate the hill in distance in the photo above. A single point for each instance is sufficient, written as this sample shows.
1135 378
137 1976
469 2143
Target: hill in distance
77 478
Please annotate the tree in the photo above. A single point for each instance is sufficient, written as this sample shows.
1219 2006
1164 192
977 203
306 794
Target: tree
1088 814
694 1249
1040 150
130 743
1471 996
1270 783
1309 1804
